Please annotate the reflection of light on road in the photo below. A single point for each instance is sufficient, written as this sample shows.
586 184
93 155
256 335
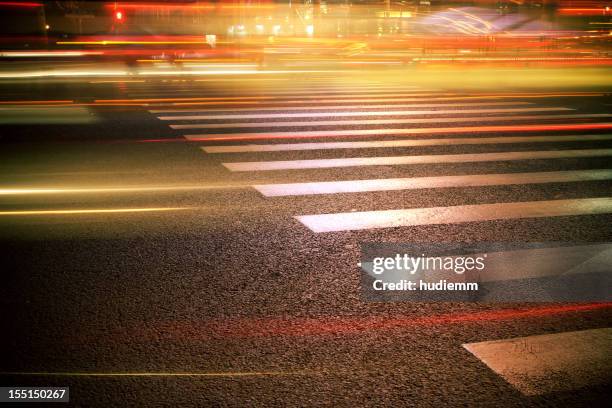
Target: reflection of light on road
171 374
94 211
152 72
225 328
54 102
28 54
225 98
36 191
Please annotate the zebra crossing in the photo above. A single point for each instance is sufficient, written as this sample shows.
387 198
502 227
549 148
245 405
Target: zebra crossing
404 118
541 364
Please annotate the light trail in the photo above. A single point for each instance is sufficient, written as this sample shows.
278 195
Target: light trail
280 94
28 54
229 328
283 103
220 374
256 97
95 211
51 102
111 190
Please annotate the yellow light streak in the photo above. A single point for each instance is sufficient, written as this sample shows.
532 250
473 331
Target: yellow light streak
162 374
38 191
54 102
116 42
116 81
25 54
199 60
95 211
220 98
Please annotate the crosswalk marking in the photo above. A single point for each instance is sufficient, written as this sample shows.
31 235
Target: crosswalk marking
403 160
397 131
379 107
278 147
342 107
468 180
369 113
389 121
541 364
352 221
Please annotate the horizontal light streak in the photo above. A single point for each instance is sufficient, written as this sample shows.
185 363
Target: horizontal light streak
220 98
28 54
401 131
389 121
369 113
420 99
163 374
405 160
320 99
320 91
153 72
455 214
441 98
433 97
127 42
63 73
20 4
93 211
50 102
340 107
284 326
118 81
188 6
281 99
279 147
105 190
416 183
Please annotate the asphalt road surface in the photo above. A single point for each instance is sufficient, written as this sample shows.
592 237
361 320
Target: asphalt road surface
160 246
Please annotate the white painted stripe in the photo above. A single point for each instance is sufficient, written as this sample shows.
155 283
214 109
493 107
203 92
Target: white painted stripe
340 107
402 160
543 262
389 121
284 115
537 365
352 221
278 147
414 183
400 131
512 265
